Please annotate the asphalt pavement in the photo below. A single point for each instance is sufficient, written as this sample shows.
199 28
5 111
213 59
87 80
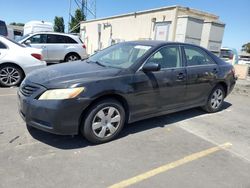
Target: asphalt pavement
184 149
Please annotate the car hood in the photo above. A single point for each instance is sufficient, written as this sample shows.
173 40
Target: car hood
68 74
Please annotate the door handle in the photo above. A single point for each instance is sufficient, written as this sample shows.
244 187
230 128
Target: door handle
181 76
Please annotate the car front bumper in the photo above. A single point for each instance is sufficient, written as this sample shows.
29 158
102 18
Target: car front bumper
61 117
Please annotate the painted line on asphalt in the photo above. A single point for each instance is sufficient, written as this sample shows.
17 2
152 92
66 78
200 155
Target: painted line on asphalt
169 166
8 95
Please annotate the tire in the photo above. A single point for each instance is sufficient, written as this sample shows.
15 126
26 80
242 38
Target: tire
72 57
10 75
103 121
215 100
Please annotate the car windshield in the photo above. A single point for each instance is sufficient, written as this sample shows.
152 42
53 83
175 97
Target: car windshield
16 43
121 55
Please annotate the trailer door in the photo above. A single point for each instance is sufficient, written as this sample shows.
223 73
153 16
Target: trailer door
162 31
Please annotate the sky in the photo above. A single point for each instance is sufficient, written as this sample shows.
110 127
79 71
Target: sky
234 13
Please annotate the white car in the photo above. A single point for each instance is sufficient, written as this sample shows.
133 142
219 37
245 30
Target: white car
16 61
57 47
229 55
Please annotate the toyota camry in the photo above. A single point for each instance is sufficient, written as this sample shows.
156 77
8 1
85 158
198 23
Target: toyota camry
124 83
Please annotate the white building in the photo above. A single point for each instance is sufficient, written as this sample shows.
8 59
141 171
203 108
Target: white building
173 23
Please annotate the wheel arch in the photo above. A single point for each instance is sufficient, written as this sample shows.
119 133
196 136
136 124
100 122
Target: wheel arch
114 96
14 64
224 85
71 53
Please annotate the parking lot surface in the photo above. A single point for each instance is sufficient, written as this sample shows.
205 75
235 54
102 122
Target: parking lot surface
184 149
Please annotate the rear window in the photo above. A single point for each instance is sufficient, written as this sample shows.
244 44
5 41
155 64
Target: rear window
3 29
2 46
226 54
14 42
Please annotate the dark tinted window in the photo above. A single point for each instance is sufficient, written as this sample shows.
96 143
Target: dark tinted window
167 57
226 54
60 39
38 39
2 46
3 29
196 56
70 40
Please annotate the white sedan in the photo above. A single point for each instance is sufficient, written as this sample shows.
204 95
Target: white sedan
16 61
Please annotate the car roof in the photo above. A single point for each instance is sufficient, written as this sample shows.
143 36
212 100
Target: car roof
157 43
55 33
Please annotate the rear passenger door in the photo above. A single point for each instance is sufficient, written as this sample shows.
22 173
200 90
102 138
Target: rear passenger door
201 74
3 50
55 47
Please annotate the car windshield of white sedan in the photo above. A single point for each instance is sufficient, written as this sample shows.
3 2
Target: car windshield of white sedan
120 55
16 43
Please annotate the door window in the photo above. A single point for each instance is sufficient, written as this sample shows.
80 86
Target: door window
38 39
196 56
60 39
69 40
2 46
167 57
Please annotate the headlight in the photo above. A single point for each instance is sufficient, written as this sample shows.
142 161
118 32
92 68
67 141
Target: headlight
59 94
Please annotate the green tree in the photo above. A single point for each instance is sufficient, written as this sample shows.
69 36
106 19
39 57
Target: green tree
246 47
59 24
75 21
17 24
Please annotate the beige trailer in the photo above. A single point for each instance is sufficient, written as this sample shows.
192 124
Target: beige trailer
174 23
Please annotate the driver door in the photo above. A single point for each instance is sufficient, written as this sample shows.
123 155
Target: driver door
39 41
157 92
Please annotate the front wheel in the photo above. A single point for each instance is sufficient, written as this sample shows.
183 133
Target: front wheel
103 122
215 100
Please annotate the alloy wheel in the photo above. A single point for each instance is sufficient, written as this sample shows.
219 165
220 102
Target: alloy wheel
217 98
9 76
73 58
106 122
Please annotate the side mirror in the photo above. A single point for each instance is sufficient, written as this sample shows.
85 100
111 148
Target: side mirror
152 67
27 42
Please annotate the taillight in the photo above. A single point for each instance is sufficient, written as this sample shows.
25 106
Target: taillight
84 46
233 71
37 56
231 56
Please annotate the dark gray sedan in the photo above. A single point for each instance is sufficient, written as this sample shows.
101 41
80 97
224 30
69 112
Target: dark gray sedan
124 83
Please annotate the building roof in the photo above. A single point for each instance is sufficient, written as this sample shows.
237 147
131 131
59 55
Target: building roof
16 27
155 10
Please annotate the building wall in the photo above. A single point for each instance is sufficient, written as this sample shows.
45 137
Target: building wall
141 26
133 27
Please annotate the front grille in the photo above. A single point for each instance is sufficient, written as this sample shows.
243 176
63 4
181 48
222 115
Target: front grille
28 90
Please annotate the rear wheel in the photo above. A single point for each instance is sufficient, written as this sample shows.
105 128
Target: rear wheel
215 100
72 57
10 75
103 122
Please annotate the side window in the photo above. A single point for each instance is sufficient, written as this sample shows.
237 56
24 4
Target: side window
70 40
167 57
38 39
53 39
2 46
196 56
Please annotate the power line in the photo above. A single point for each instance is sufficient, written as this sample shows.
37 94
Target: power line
88 8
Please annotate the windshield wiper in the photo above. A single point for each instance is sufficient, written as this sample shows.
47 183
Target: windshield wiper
98 63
